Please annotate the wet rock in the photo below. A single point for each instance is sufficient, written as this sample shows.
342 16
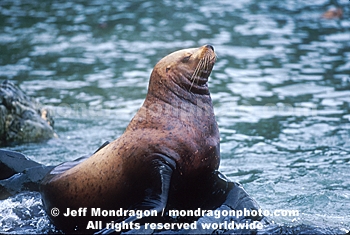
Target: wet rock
333 13
22 119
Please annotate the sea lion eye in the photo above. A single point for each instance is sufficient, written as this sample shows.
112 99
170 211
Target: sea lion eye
186 59
167 68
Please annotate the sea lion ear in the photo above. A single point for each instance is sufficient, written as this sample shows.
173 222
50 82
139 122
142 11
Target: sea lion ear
167 68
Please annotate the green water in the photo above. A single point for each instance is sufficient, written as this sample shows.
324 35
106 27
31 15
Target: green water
280 88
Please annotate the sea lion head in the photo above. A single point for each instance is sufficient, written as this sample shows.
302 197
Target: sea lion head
186 69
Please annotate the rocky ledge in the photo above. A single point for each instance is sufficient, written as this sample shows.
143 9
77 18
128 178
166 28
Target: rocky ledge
22 119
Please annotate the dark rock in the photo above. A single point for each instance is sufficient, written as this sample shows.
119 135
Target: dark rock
22 119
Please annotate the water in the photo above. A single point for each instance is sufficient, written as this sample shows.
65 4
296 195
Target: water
280 87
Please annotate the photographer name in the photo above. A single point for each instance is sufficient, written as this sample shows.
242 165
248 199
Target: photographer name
83 211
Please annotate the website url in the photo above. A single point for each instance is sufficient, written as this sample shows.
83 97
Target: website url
234 213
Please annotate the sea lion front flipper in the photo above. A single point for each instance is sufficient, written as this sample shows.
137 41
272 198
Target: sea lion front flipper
157 195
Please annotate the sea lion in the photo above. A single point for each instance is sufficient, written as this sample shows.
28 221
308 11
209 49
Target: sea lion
170 145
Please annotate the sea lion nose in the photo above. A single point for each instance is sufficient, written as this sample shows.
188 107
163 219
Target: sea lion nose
209 46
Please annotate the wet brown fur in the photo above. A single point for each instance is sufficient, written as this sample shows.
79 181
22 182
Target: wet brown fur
176 119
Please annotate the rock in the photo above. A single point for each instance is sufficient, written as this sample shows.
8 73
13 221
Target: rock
336 13
22 119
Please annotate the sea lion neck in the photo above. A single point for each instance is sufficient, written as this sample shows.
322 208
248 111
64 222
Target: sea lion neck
171 92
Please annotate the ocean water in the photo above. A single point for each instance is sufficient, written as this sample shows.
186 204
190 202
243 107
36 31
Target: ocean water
280 88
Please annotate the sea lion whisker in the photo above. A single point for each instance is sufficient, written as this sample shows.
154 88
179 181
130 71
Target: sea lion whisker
203 66
196 72
200 66
207 62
